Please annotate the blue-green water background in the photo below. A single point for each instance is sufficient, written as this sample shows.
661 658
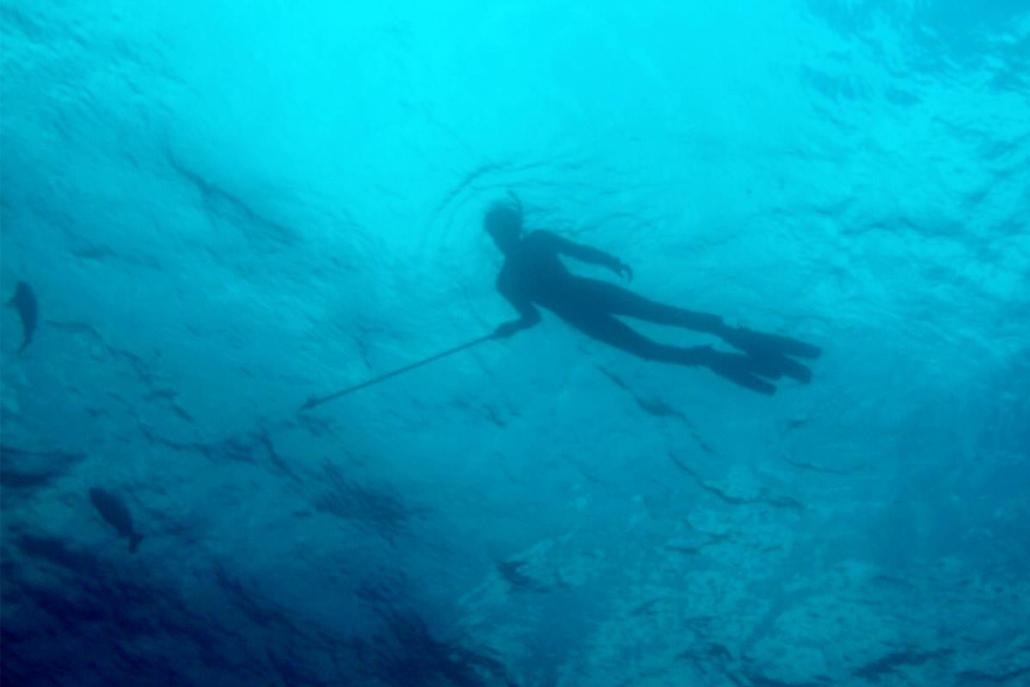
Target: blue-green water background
224 208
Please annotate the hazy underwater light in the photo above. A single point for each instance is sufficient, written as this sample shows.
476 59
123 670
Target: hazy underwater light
515 343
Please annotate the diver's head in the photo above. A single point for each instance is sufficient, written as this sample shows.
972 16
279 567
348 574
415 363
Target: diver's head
504 224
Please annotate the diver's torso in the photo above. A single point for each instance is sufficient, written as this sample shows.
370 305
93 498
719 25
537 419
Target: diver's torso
533 270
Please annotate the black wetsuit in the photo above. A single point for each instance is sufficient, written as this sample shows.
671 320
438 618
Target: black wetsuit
533 275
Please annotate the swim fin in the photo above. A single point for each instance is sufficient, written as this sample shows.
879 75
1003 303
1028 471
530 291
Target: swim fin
762 345
775 366
741 370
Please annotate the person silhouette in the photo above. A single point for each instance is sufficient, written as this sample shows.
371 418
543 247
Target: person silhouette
533 275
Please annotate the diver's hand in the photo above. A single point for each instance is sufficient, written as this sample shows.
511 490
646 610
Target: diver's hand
623 270
507 330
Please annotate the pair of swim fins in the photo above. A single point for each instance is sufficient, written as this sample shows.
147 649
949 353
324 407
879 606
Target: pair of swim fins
765 357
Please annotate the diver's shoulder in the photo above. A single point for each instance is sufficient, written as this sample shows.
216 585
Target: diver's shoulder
540 237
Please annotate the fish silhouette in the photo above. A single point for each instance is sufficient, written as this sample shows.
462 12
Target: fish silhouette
24 301
116 513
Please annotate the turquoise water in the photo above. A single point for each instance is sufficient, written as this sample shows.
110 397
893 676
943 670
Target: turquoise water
225 209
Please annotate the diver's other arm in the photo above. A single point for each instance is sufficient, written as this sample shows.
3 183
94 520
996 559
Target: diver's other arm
592 256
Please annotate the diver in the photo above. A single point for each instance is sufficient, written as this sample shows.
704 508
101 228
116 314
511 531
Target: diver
534 275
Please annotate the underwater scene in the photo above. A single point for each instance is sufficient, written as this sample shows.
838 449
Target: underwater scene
515 343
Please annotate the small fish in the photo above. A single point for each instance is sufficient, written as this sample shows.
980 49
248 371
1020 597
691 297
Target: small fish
24 301
116 513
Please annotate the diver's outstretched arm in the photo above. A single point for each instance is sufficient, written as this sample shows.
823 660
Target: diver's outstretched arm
507 329
530 317
590 255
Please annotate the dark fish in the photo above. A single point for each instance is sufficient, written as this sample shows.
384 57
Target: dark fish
24 301
116 513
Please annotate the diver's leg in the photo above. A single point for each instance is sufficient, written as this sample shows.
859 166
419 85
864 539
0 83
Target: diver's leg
768 351
771 349
604 327
616 300
734 367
